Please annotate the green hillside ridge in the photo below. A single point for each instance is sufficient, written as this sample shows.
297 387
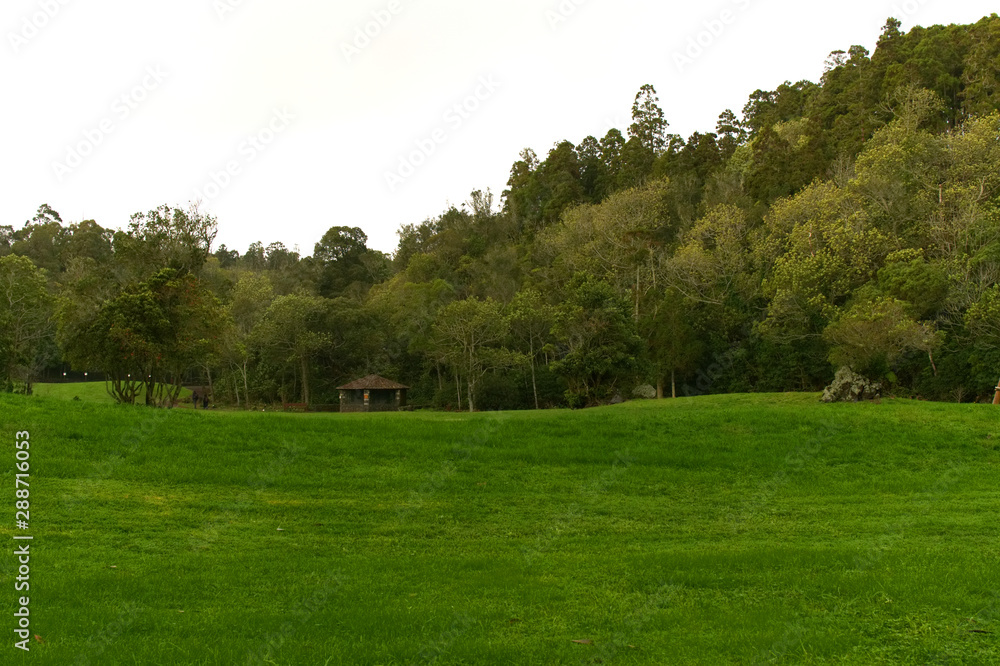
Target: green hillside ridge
715 530
852 221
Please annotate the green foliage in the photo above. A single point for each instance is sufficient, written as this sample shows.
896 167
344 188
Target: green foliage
26 309
674 343
983 319
345 263
293 331
152 333
924 286
865 204
601 347
469 336
165 237
649 125
872 335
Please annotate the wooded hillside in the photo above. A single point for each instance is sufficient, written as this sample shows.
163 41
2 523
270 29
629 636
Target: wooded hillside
850 222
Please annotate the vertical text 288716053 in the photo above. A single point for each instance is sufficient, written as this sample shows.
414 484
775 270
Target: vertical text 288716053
22 515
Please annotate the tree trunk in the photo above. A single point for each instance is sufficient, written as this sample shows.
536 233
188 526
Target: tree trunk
659 387
305 381
236 390
673 383
470 395
534 385
470 383
246 386
458 389
637 294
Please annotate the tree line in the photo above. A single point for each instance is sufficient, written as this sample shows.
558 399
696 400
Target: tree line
851 223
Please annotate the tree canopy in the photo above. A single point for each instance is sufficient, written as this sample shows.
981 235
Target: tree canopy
853 221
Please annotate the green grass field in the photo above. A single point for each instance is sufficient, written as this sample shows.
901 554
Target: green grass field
94 392
719 530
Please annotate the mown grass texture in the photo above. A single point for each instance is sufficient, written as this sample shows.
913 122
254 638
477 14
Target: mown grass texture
712 530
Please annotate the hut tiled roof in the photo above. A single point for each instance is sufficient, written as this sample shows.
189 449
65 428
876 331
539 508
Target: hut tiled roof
372 382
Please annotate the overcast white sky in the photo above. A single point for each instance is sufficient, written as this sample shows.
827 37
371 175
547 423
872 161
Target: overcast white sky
285 122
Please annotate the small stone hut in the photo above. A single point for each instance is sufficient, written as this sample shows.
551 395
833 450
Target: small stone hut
372 394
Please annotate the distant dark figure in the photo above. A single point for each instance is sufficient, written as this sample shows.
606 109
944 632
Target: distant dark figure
194 399
204 401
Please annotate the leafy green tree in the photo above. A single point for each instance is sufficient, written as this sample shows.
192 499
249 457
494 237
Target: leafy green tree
340 256
649 125
164 237
963 215
531 323
981 76
872 335
41 240
731 133
675 345
612 146
359 342
524 198
634 165
895 173
292 333
982 316
559 176
471 333
600 346
151 334
593 170
713 264
227 258
254 258
26 309
829 252
923 286
88 240
250 299
617 241
6 239
782 166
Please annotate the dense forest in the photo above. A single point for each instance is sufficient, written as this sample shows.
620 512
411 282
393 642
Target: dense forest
850 223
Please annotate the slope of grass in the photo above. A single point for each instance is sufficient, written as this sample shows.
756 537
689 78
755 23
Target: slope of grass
717 530
93 392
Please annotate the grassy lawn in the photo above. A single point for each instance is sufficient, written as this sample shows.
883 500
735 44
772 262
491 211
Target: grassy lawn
715 530
94 392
